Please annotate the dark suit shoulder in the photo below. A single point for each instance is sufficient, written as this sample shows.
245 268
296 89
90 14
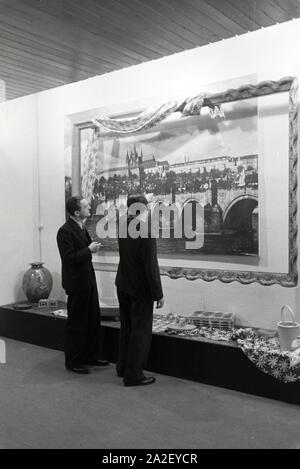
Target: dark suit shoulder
70 225
65 227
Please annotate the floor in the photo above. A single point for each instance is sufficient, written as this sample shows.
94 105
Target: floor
43 406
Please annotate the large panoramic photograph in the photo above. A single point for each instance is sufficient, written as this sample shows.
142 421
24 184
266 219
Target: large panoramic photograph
184 160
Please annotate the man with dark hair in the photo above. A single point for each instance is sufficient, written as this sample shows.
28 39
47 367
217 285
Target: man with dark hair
82 332
138 286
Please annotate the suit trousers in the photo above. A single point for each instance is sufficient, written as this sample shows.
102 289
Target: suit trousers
136 316
82 333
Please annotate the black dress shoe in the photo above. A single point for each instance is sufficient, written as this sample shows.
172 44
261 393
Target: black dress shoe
82 369
142 382
98 363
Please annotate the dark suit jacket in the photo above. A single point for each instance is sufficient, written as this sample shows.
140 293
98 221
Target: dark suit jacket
77 268
138 272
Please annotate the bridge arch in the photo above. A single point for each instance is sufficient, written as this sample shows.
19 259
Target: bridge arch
190 199
238 199
155 203
241 221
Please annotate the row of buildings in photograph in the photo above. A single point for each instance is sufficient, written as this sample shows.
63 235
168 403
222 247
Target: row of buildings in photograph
160 177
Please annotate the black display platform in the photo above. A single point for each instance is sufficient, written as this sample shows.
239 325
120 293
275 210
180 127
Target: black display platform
198 359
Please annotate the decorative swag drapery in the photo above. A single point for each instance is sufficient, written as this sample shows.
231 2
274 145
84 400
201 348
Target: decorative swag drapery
149 118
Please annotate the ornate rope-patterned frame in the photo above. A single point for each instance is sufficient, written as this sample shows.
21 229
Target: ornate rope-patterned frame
288 84
264 278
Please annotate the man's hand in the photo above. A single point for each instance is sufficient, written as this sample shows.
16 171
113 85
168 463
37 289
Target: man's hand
160 303
94 247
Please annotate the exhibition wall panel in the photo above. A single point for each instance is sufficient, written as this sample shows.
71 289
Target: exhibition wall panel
19 194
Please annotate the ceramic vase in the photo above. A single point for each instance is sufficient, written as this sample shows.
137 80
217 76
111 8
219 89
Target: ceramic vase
37 282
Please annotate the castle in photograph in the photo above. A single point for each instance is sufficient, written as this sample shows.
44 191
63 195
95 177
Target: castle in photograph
137 163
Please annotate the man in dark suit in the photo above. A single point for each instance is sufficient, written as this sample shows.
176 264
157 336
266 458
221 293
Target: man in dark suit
138 286
82 334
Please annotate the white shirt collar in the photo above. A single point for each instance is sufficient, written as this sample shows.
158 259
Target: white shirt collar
78 222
